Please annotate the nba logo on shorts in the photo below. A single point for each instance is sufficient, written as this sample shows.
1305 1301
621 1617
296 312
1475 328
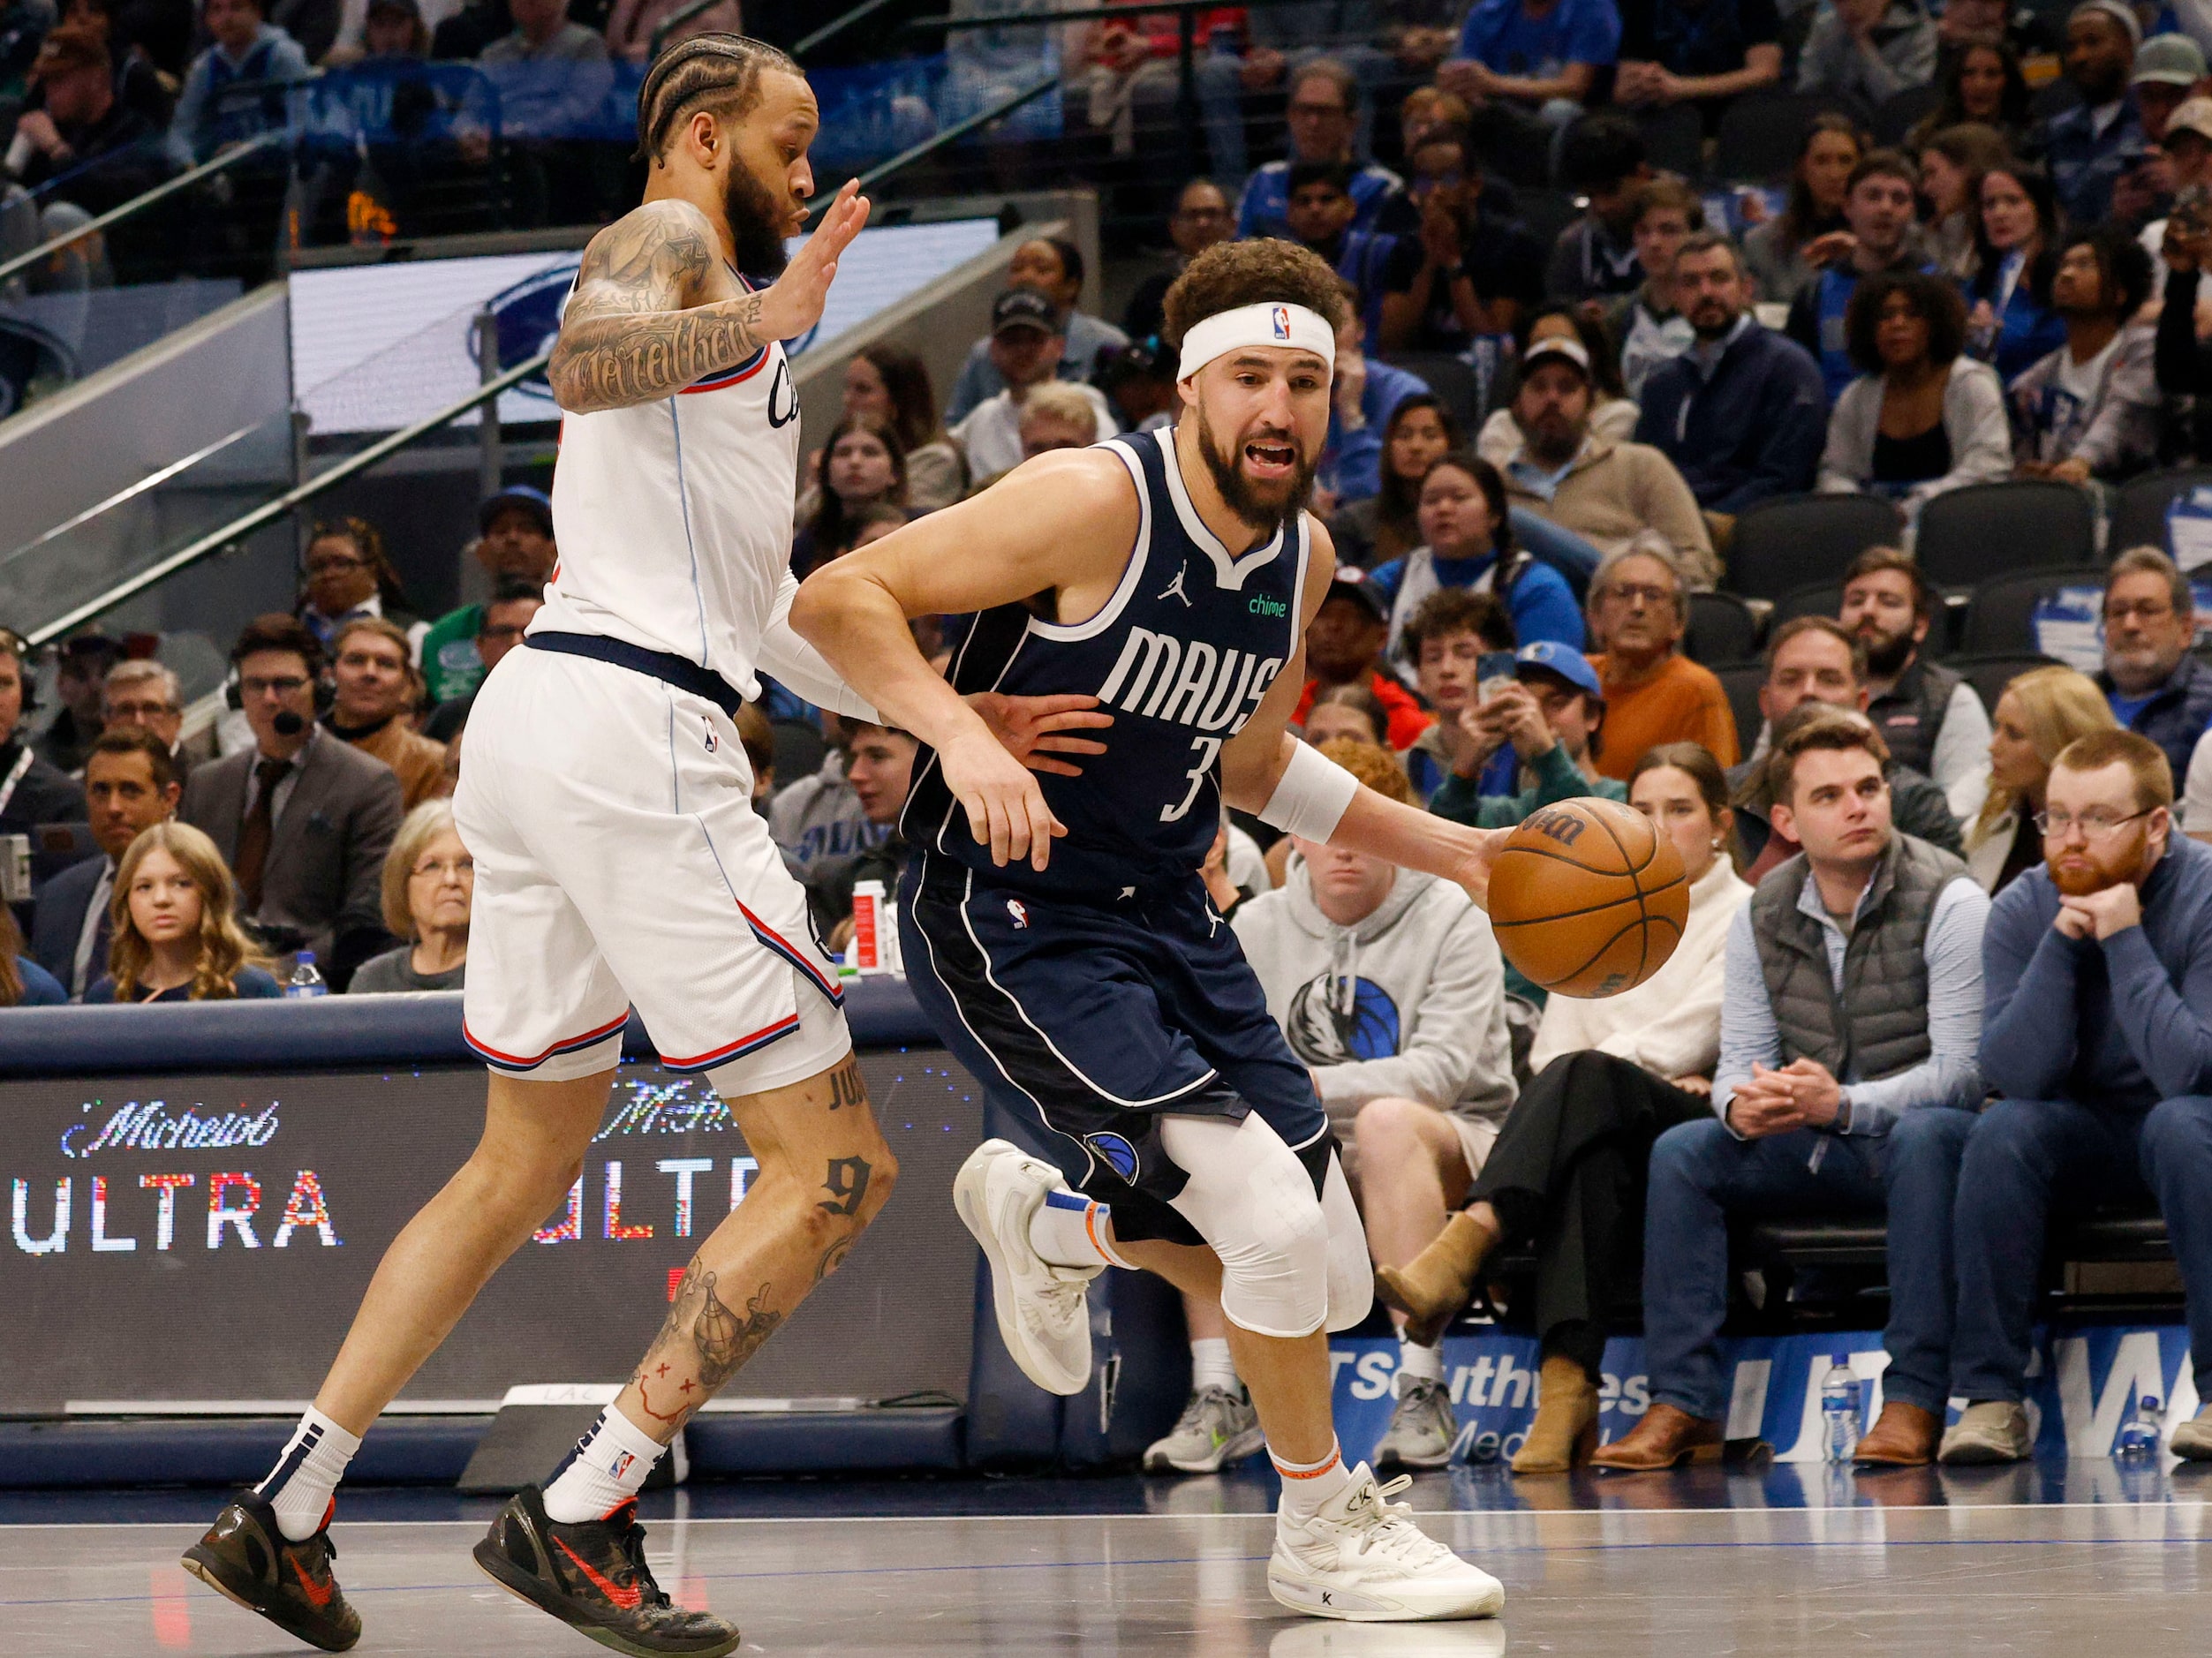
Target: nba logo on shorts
1116 1152
1279 315
1020 911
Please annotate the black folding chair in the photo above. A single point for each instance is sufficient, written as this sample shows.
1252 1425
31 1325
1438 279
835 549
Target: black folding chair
1721 628
1741 681
1990 674
1450 378
800 749
1782 545
1900 112
2138 514
2001 613
1760 133
1674 138
1968 536
1816 599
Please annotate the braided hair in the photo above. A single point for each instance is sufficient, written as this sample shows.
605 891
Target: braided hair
717 68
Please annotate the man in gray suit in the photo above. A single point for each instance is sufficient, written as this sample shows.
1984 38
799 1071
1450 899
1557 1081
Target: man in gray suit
303 820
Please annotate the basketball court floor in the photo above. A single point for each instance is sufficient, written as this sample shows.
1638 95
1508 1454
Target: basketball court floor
2060 1559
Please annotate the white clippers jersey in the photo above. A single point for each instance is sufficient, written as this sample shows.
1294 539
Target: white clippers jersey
673 518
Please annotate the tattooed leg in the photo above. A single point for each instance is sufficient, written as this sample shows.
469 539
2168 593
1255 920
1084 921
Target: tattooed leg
825 1174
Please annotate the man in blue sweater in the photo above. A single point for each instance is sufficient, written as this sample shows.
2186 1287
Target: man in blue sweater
2098 969
1742 413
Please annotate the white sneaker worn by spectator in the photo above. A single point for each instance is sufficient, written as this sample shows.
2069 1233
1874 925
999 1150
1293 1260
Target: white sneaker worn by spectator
1043 1309
1360 1558
1217 1427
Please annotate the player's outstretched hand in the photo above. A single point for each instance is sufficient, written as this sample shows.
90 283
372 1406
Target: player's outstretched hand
1473 873
1006 809
1030 727
794 303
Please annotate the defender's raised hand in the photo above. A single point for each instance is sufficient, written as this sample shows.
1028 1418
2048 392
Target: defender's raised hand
794 303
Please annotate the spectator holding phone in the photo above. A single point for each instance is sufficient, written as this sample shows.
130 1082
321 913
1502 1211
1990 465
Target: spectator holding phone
176 933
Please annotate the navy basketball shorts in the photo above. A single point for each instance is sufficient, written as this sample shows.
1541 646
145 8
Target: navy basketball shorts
1091 1020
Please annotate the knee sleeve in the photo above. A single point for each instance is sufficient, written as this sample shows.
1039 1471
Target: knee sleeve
1251 1200
1351 1275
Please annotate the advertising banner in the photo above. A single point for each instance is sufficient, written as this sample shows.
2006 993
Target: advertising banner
2084 1382
206 1239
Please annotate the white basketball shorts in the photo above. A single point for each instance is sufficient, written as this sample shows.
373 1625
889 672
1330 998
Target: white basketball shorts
620 863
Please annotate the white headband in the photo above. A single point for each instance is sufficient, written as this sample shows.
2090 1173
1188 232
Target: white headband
1291 325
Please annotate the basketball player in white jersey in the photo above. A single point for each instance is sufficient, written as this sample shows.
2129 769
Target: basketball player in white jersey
606 803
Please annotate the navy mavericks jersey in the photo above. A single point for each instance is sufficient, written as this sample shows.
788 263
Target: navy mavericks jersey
1181 656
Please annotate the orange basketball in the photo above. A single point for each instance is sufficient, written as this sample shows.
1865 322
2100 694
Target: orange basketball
1588 899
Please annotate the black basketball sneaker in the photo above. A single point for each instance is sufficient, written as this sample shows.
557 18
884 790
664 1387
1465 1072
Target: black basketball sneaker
247 1558
592 1575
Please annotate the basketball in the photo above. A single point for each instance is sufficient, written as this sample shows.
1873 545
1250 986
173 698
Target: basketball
1588 899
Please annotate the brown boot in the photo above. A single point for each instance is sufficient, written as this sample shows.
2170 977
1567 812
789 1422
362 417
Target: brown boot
1431 1288
1665 1438
1565 1432
1905 1437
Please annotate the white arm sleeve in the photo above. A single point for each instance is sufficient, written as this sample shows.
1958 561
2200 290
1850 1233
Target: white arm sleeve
799 665
1311 796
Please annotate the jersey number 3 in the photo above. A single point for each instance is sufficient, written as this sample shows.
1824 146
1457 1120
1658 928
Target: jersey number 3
1208 750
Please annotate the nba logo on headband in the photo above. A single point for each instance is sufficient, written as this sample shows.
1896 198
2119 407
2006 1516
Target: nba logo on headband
1279 316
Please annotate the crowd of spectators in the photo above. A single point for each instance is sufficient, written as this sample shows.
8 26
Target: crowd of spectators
1904 899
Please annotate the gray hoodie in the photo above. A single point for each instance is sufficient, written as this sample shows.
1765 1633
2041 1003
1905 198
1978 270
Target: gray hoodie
1410 1004
818 826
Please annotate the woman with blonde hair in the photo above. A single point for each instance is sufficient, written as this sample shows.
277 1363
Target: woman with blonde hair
429 885
176 933
2041 711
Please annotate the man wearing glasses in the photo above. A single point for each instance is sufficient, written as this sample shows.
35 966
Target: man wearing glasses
2155 686
140 691
303 818
2098 971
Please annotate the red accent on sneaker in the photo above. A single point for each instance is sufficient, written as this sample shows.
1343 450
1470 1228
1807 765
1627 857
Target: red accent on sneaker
318 1595
629 1599
329 1513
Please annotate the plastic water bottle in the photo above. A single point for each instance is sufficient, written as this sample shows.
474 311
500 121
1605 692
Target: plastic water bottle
1839 1408
305 980
2139 1435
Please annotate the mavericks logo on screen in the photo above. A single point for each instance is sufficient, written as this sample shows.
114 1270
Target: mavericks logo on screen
116 1214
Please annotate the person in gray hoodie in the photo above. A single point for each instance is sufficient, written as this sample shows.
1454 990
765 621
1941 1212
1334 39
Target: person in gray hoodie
821 828
1390 988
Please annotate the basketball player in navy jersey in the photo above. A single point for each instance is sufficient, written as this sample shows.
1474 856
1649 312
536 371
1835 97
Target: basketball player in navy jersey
1059 935
606 803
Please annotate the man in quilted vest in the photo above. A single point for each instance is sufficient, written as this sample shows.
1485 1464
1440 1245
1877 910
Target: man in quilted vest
1848 1078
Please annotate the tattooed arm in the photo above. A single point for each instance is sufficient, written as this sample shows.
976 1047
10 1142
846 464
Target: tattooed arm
633 330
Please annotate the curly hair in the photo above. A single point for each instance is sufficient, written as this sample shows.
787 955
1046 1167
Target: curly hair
223 949
1265 270
1932 299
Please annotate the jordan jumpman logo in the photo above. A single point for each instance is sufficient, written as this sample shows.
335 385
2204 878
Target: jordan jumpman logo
1175 588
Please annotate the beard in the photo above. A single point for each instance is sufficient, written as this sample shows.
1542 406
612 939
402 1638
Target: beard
1887 653
1239 495
756 224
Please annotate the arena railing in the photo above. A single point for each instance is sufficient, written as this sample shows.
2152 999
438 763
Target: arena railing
282 506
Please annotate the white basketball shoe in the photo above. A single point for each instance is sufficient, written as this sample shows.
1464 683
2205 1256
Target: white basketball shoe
1362 1558
1044 1310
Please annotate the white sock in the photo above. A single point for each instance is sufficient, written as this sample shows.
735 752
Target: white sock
607 1468
298 1488
1308 1485
1068 1230
1415 1360
1211 1365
